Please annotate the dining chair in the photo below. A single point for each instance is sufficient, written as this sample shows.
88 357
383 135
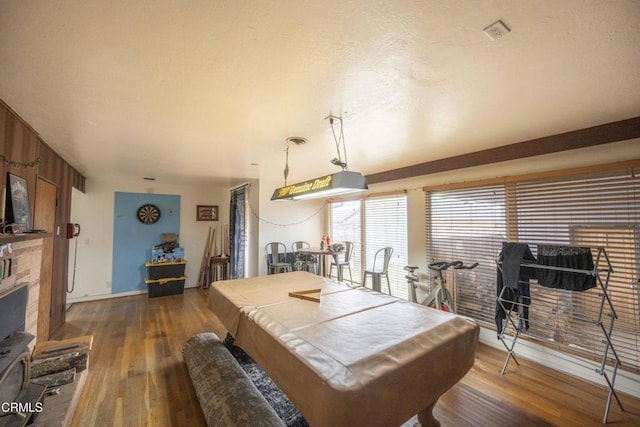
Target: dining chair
345 262
276 254
380 268
307 262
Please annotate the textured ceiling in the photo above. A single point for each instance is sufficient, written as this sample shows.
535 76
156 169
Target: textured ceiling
200 90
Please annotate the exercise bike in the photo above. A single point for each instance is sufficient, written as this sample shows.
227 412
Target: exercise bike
438 295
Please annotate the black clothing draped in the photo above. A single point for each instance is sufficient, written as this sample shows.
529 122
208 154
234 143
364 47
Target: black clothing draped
515 279
568 257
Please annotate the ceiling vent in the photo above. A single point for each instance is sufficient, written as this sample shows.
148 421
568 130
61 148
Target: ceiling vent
297 140
496 30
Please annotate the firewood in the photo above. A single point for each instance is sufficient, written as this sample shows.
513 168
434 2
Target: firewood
65 362
81 349
61 347
42 346
57 379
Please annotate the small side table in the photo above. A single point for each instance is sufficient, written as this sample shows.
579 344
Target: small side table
219 267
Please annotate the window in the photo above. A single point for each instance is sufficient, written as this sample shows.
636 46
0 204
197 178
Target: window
597 208
372 224
468 225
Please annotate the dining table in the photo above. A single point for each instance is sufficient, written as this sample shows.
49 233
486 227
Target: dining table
346 356
322 254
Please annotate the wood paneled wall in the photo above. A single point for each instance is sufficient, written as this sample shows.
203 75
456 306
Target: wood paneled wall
56 170
20 143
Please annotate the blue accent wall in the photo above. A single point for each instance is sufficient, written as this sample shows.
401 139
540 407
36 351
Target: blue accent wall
133 240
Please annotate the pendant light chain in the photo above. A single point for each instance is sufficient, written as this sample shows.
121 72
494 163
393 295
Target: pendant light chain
286 167
337 139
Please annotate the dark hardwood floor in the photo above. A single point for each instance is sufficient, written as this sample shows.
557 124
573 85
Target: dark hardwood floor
137 376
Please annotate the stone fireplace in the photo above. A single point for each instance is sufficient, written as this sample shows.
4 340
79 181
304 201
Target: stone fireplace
20 401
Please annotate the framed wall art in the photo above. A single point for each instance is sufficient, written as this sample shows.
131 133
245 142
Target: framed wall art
17 203
206 213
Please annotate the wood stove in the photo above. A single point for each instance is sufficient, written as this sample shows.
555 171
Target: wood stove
20 400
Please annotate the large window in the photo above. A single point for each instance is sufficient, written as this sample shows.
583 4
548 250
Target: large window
372 224
594 209
468 225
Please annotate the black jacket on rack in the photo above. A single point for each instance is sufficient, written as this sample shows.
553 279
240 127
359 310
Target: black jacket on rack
515 279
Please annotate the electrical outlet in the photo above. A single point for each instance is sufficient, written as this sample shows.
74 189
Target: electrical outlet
108 284
496 30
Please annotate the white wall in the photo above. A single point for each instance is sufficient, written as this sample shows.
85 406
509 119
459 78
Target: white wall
288 221
270 221
93 210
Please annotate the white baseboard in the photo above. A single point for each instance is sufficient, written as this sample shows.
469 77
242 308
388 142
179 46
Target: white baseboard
87 298
626 382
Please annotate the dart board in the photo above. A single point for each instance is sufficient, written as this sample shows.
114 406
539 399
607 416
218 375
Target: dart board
148 214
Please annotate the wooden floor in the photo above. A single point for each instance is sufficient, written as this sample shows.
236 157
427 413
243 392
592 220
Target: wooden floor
137 376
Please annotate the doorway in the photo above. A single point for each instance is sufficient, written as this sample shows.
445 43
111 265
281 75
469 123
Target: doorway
52 298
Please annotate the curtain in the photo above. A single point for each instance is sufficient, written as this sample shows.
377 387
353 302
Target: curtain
238 231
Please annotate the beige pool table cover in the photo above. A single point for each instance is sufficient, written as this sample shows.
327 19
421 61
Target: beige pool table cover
355 358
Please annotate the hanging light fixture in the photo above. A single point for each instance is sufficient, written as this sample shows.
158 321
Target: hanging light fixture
343 182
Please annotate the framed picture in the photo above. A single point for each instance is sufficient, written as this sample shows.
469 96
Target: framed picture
207 213
17 207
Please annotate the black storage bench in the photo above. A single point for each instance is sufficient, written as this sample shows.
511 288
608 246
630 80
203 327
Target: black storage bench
165 278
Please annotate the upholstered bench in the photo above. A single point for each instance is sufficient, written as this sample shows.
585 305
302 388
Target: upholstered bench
226 394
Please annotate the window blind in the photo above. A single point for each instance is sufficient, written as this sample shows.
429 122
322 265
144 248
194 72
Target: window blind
468 225
592 209
598 209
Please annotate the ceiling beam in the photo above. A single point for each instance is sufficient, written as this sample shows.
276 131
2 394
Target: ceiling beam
596 135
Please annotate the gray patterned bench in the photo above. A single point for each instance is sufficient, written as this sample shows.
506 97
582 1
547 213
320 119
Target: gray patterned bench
226 394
